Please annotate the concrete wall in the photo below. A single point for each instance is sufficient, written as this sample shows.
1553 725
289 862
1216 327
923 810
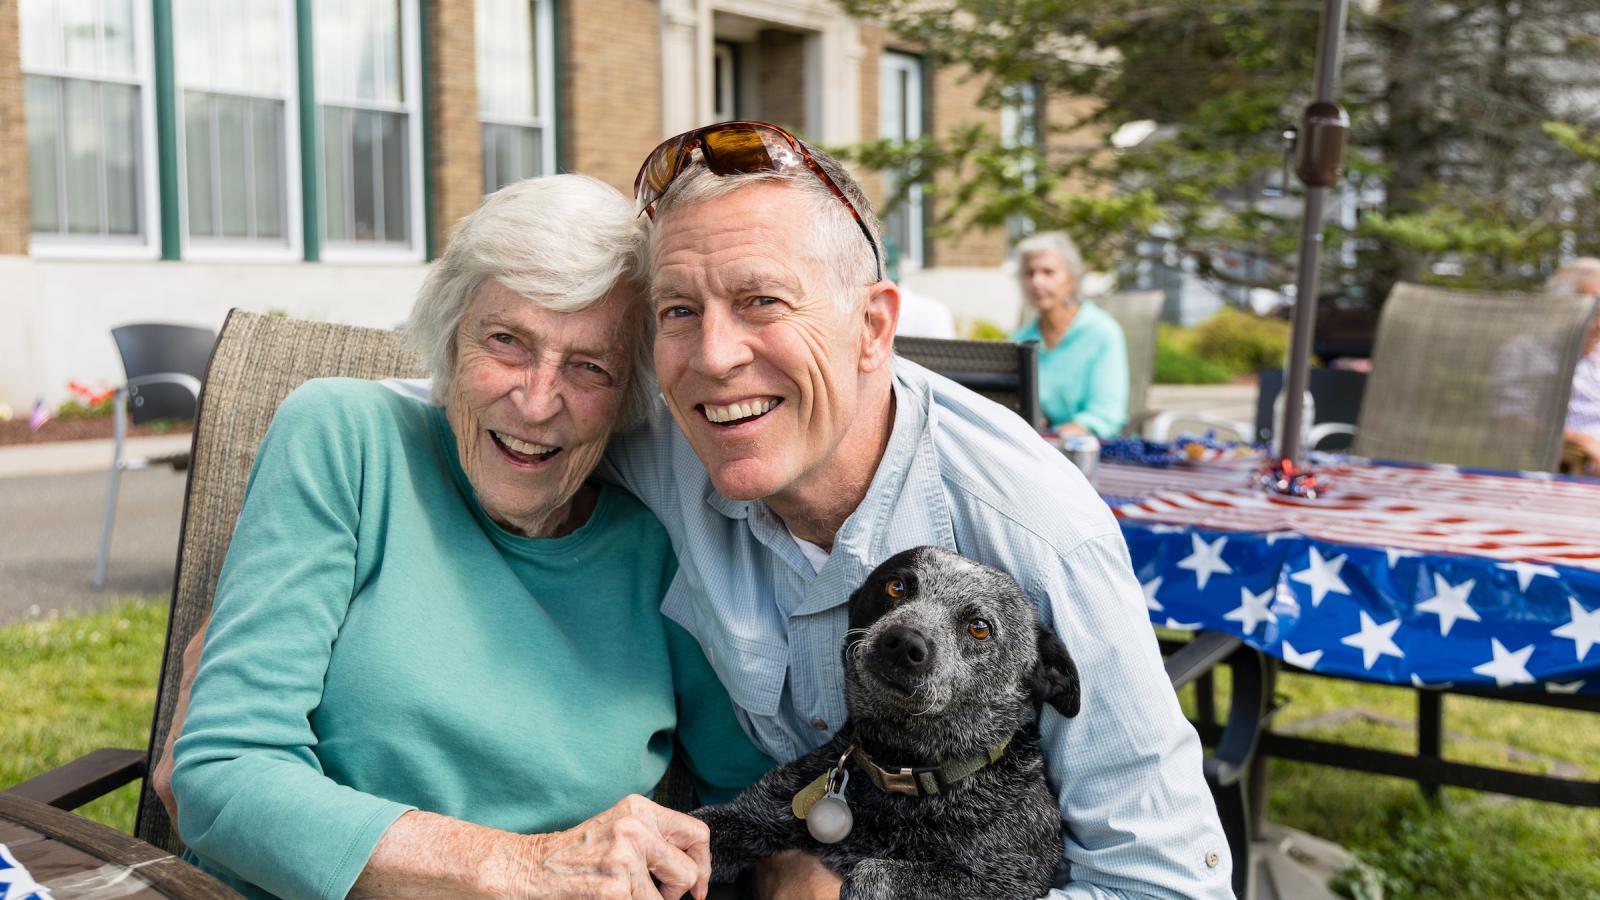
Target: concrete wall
59 314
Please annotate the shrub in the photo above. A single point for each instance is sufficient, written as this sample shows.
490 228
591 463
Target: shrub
76 408
1175 365
1241 342
983 330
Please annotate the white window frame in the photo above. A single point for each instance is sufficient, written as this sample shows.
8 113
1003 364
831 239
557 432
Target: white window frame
544 51
226 250
412 88
50 245
1019 121
891 66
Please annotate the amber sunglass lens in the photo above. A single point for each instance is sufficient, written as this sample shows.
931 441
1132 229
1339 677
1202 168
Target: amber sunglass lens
734 151
659 170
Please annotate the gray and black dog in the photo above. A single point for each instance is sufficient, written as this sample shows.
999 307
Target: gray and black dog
946 665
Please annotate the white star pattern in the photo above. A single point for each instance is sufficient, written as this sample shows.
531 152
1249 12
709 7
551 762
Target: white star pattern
1583 630
1167 529
1507 667
1322 576
1206 560
1395 554
1571 687
1252 610
1449 603
1181 626
1416 681
17 881
1150 588
1293 657
1274 536
1374 640
1527 571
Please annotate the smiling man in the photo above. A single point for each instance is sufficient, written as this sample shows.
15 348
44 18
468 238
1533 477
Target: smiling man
800 452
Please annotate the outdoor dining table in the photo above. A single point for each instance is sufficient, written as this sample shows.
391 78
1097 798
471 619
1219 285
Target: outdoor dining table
51 853
1427 576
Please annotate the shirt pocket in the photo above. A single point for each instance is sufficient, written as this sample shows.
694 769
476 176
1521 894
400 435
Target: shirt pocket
751 670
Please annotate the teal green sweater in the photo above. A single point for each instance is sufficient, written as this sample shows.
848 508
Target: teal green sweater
380 645
1084 377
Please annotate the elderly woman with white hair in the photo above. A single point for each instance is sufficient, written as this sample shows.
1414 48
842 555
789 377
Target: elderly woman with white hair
436 663
1083 363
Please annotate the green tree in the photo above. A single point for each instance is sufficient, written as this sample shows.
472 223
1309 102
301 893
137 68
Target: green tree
1448 149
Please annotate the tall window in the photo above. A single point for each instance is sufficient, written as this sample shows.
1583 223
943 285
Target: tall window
515 90
900 119
87 82
1019 127
367 88
235 74
724 81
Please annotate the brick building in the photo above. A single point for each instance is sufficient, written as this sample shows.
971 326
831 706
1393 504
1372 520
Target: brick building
166 160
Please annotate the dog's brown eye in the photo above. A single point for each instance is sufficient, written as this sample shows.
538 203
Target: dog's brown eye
979 628
895 588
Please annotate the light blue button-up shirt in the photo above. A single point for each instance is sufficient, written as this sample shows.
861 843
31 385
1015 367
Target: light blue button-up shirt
962 473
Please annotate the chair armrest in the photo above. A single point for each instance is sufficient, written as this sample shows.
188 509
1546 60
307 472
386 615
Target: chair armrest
1199 656
1320 433
85 778
1161 426
181 379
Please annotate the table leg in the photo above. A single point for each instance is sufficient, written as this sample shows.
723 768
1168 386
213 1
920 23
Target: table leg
1430 736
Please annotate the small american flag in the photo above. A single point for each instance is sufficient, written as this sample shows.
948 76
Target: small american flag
39 416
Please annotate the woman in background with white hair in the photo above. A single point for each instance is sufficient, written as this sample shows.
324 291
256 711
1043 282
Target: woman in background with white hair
1083 363
436 663
1582 429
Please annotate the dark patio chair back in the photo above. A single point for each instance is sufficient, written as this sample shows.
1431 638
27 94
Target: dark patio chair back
1004 371
1139 314
157 349
1472 379
1336 392
258 360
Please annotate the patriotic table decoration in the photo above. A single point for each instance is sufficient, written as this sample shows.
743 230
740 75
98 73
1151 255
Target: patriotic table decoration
1427 576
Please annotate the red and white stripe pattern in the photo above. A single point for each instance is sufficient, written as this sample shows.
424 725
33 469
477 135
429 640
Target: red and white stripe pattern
1429 509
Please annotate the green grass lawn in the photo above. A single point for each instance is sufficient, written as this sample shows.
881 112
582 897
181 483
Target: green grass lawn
78 683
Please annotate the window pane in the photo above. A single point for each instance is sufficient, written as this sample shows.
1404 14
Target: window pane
507 76
81 133
336 173
358 51
197 160
78 34
120 108
269 168
266 46
117 36
41 33
233 167
363 190
393 181
44 147
196 43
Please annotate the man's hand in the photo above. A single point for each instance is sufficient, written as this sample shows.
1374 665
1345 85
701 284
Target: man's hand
161 777
796 875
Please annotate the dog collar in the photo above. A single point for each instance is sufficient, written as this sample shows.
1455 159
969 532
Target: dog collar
923 781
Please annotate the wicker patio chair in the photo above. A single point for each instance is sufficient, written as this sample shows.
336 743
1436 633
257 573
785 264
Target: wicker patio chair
1139 314
1472 379
257 361
1004 371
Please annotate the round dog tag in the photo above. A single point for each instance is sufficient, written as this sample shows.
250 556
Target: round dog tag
829 819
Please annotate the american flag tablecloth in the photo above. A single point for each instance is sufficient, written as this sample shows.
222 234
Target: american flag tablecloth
1419 575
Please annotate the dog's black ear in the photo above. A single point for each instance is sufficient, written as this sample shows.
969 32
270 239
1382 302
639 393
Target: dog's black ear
1055 679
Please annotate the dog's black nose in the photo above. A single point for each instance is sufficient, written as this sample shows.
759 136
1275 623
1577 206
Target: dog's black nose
905 648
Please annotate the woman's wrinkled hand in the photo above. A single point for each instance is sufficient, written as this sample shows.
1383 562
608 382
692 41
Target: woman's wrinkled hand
796 875
636 850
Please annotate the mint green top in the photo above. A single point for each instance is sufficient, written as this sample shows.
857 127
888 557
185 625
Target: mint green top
379 645
1084 377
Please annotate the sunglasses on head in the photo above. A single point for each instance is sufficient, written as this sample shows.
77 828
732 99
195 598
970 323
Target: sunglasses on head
736 148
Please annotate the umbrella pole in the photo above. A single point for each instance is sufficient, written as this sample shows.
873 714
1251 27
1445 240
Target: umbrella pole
1319 151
